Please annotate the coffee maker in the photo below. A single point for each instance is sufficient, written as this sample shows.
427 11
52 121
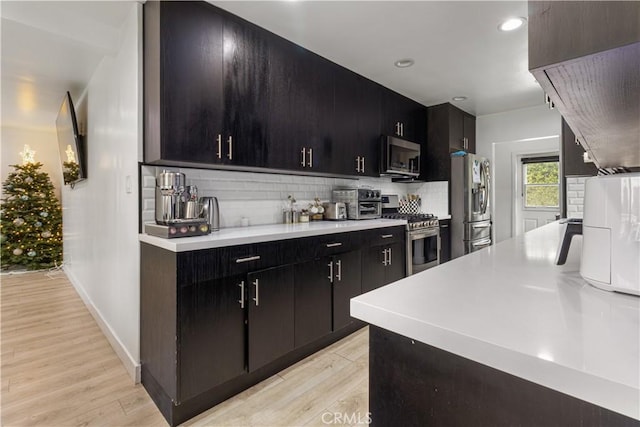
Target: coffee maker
170 187
178 213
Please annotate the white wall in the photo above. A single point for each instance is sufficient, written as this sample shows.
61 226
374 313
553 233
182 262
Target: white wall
101 250
499 137
45 144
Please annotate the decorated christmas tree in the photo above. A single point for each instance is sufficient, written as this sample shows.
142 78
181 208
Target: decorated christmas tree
31 218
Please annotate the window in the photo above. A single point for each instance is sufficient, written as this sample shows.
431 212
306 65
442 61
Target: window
541 180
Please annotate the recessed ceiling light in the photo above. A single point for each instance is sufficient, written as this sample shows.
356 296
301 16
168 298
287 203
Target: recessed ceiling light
459 98
404 63
512 24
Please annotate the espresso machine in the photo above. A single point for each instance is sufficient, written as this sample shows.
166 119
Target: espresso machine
178 212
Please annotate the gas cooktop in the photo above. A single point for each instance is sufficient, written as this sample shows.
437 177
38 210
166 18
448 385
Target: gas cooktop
415 221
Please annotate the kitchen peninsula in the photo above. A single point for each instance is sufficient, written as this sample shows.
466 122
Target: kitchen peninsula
503 336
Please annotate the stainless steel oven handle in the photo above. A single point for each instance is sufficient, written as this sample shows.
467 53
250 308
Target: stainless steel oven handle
481 226
386 236
418 236
333 245
481 243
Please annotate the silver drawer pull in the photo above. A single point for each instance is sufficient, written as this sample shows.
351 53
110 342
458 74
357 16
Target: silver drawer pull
257 298
480 226
481 243
333 245
386 236
251 258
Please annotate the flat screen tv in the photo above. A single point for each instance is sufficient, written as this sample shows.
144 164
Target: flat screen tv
70 144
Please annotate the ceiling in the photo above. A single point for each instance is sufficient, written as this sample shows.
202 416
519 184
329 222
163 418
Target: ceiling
49 47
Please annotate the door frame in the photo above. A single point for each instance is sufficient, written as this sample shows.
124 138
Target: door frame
516 168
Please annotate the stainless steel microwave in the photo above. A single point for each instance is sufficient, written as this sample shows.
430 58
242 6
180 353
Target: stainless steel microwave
399 157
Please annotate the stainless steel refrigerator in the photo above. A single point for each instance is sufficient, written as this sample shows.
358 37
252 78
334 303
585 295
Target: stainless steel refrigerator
470 204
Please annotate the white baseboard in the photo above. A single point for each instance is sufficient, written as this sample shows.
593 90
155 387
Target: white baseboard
130 364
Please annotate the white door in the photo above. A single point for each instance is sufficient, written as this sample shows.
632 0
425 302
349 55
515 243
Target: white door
538 196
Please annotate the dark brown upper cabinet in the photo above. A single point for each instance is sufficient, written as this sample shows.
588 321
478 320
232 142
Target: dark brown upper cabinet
586 57
220 92
449 129
573 163
183 81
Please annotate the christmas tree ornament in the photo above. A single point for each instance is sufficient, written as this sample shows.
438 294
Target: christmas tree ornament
38 224
28 155
46 234
44 214
24 197
31 253
17 252
28 180
18 221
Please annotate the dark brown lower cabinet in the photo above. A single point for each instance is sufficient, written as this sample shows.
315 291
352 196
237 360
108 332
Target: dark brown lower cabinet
211 334
346 285
415 384
312 300
382 265
214 322
445 241
270 315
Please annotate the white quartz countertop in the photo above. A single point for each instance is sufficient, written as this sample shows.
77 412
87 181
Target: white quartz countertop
265 233
511 308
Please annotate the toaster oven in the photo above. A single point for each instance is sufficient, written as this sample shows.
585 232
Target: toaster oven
361 203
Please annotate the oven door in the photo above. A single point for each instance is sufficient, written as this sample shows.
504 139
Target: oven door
423 250
369 210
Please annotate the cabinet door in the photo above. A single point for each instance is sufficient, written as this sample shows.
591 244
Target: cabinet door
372 267
396 263
313 299
398 115
211 339
191 93
469 130
246 89
445 241
270 315
456 129
346 285
300 108
356 130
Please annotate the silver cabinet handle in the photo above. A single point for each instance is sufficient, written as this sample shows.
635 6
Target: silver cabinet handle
333 245
304 157
219 141
401 129
330 277
251 258
481 226
241 300
390 258
310 157
398 128
386 236
384 261
230 153
362 167
358 164
339 273
257 298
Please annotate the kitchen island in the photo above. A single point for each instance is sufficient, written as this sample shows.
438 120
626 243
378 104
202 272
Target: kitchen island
503 336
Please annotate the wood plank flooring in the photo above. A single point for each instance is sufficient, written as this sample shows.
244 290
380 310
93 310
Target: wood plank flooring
57 369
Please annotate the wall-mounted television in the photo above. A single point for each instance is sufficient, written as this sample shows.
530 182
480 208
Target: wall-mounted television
70 144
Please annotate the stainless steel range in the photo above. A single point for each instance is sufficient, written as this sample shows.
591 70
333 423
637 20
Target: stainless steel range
423 235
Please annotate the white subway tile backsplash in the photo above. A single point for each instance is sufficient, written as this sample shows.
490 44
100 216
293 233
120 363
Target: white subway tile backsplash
260 197
575 196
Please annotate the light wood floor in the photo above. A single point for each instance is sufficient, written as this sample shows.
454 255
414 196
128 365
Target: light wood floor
57 369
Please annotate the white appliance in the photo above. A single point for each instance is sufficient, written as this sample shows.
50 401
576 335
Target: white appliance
611 233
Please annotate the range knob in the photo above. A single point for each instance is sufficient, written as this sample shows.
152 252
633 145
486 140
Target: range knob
377 194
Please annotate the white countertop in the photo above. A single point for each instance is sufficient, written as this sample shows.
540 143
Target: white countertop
511 308
265 233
